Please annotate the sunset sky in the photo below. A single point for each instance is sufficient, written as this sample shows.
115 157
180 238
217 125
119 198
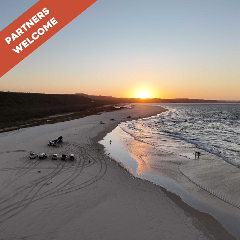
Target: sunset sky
167 48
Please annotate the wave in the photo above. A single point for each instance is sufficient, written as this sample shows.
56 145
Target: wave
186 126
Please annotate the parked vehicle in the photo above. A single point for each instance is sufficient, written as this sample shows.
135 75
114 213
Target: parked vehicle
42 156
55 156
33 155
64 157
54 142
72 157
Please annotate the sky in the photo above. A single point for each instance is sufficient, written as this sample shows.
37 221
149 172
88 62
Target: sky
167 48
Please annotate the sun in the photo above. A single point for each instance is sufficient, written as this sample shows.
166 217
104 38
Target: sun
143 94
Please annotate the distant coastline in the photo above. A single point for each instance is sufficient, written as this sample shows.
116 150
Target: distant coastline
27 109
154 100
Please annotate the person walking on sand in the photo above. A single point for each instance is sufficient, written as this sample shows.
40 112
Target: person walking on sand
197 154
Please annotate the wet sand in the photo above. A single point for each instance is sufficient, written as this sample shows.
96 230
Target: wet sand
91 198
208 185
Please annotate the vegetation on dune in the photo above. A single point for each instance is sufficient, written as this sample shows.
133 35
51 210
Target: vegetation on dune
15 107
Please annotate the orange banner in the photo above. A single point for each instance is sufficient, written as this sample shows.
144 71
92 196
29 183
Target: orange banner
35 27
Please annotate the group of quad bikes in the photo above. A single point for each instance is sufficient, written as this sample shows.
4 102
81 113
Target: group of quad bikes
53 142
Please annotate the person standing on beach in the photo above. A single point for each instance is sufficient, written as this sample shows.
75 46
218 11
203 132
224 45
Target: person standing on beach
197 154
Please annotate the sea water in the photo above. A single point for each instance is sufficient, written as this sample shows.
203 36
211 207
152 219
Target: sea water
211 128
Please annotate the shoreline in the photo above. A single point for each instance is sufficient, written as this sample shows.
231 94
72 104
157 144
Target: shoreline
215 228
116 203
195 198
176 193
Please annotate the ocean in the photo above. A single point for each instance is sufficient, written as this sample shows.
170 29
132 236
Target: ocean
208 128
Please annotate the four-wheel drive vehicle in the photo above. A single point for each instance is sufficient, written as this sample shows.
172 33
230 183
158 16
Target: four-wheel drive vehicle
55 156
54 142
42 156
71 157
33 155
64 157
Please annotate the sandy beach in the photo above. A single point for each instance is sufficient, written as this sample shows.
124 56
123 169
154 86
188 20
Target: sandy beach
92 197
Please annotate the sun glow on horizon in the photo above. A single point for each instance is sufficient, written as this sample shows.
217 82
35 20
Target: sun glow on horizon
143 94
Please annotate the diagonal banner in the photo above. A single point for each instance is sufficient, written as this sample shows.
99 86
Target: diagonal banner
35 27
